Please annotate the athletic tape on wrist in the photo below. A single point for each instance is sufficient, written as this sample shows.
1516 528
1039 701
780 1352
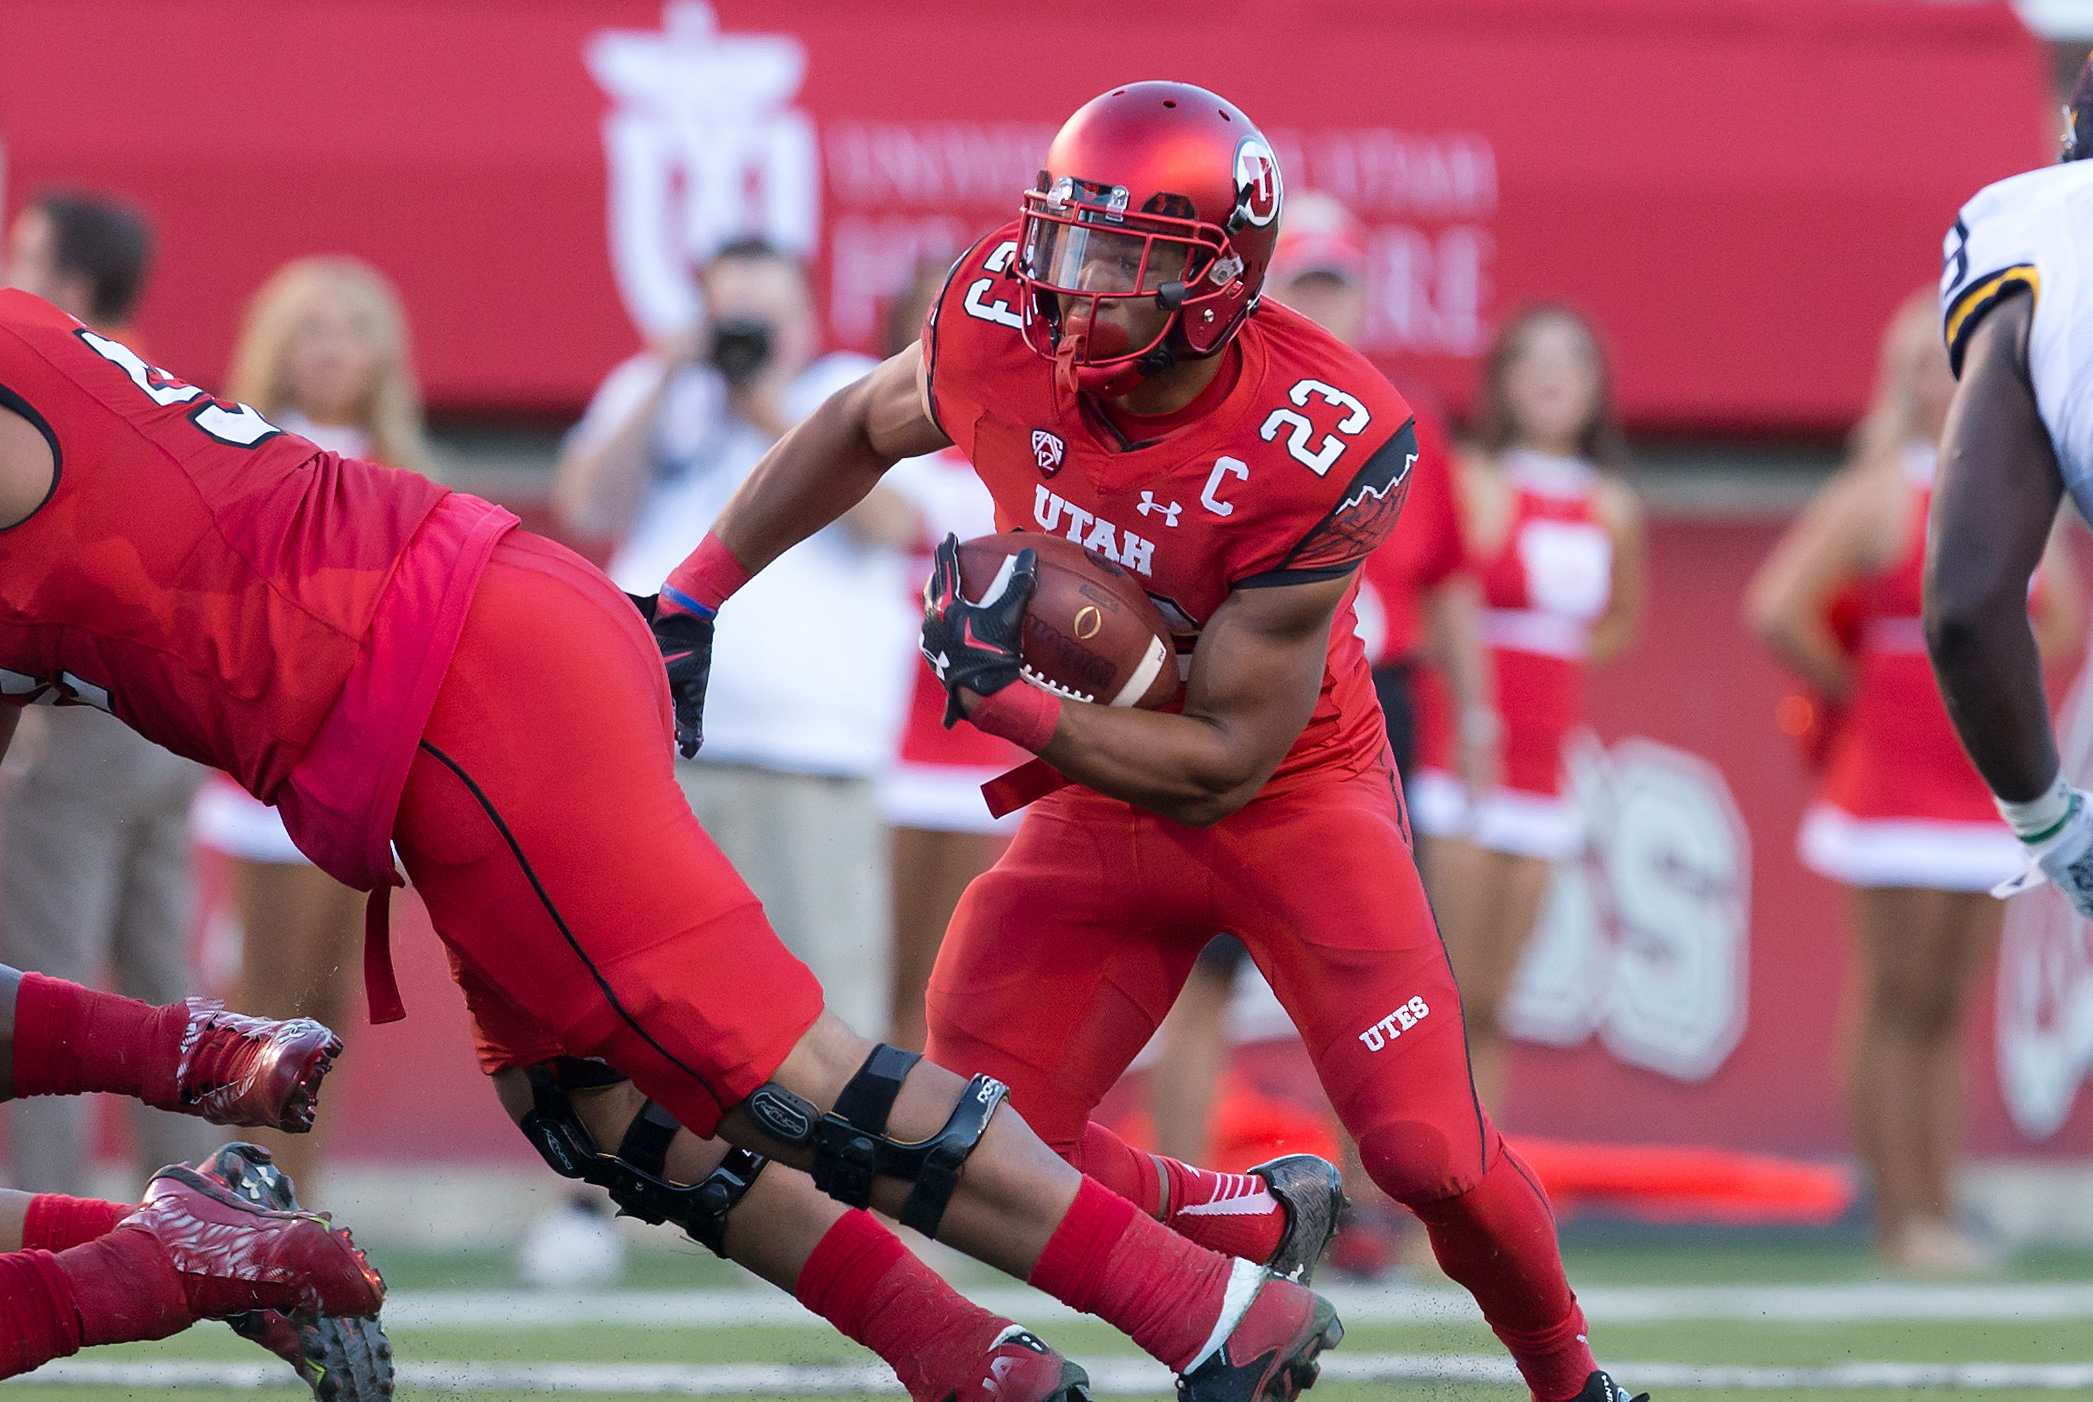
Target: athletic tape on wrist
2040 818
1021 713
707 579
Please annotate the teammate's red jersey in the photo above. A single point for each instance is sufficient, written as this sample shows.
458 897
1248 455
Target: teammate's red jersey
1294 474
193 572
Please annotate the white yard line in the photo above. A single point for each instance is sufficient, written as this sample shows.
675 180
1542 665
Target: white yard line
1848 1303
1119 1376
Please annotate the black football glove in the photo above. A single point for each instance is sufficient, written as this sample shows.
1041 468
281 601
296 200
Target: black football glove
975 645
685 640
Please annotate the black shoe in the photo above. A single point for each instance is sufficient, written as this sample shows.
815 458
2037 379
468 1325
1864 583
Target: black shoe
1313 1191
1600 1388
341 1360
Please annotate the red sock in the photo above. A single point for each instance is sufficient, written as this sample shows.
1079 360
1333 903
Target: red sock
1498 1240
1232 1213
125 1288
1120 1167
861 1279
70 1040
38 1321
54 1221
1134 1273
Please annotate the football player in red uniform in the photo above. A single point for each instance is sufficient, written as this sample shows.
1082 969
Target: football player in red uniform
394 665
1105 363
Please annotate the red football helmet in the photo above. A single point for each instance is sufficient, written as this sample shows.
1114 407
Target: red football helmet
1156 197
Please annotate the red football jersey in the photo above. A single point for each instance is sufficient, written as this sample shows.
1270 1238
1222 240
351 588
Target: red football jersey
214 582
1295 475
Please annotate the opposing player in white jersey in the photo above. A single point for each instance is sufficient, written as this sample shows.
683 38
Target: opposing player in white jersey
2017 298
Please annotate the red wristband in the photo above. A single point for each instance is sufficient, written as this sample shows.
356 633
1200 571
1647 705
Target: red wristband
1021 713
707 579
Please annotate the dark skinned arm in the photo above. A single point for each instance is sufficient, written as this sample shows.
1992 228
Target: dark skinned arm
1993 505
830 460
1255 676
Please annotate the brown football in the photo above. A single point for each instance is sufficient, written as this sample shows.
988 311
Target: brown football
1091 633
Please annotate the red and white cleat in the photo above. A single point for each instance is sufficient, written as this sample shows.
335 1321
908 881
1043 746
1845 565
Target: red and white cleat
1020 1367
233 1256
252 1071
1270 1355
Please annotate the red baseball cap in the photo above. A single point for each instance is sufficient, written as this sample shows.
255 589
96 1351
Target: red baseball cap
1318 235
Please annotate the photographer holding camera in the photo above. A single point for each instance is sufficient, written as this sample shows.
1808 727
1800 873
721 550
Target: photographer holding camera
798 720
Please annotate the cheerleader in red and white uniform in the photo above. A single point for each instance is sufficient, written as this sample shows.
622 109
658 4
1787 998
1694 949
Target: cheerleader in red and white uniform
1900 817
1555 535
931 794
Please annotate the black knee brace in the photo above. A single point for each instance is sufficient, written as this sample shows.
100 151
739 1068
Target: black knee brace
633 1175
850 1143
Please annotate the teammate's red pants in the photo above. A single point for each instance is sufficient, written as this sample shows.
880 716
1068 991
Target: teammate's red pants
584 909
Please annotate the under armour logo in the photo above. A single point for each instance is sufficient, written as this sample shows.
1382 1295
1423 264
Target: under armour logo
1047 450
1168 513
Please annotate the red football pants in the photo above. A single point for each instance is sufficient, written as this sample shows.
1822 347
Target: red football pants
1063 958
583 908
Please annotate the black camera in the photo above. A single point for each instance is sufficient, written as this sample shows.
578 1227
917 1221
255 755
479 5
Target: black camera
740 350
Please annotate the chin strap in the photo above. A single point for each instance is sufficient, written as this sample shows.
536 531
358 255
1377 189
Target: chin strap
1068 362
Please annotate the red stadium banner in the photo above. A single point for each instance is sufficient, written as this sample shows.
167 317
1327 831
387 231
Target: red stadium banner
1740 190
1697 998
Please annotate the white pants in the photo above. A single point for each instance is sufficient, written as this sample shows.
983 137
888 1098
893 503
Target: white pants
815 852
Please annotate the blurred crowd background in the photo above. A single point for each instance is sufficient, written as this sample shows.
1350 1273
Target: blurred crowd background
1656 278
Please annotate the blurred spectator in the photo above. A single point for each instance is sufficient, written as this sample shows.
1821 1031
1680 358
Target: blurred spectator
87 255
943 835
94 842
1414 601
1901 817
1556 536
323 353
809 668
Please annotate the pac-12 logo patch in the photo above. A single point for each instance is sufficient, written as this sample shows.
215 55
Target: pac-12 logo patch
1047 449
1256 181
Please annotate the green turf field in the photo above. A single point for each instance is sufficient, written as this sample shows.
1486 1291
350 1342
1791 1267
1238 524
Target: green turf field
739 1357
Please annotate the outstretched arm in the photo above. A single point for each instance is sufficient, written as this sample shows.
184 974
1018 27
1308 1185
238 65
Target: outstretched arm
827 464
814 474
1993 504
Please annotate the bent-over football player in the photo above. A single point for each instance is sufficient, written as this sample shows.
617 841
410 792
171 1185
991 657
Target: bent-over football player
394 665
